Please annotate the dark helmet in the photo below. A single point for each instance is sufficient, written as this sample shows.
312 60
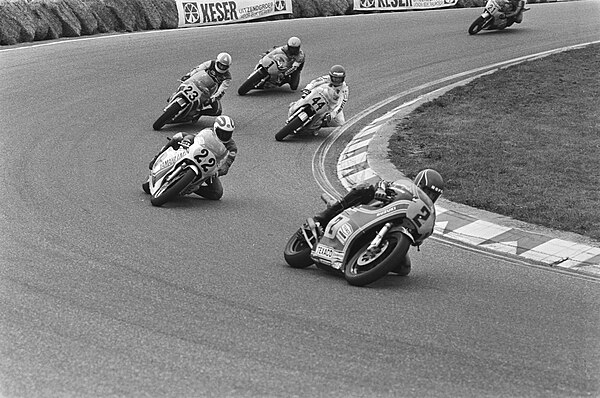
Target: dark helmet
337 74
293 45
430 182
223 127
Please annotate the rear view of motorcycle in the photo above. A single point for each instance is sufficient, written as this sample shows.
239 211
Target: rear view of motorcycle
366 242
178 172
189 102
494 17
307 113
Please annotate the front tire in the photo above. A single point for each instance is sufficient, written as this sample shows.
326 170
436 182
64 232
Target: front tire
289 128
176 186
297 252
251 82
366 267
477 25
168 114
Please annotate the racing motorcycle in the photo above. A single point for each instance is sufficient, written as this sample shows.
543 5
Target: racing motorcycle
492 18
180 172
310 110
268 73
189 102
365 242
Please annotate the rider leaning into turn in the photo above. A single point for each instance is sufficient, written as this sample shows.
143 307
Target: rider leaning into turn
219 141
218 69
336 79
295 63
428 180
513 10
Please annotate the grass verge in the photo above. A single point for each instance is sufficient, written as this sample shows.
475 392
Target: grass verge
523 142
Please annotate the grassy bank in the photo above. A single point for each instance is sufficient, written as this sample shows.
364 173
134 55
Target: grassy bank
523 142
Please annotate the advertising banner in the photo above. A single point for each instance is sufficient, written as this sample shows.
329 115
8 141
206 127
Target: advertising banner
398 5
202 12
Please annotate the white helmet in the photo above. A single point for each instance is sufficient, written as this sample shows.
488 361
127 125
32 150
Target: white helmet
223 128
223 62
293 45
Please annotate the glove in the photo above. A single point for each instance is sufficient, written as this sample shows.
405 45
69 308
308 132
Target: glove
185 77
185 143
327 118
305 92
290 71
223 170
381 195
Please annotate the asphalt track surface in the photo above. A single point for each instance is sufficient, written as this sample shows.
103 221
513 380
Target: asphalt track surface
102 294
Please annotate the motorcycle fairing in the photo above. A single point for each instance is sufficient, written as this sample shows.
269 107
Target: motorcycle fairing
163 166
197 157
344 229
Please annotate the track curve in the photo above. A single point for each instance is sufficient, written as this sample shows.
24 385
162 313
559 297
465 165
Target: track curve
103 294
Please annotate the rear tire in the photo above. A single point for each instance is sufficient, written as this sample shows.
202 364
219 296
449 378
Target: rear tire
168 114
175 188
476 26
297 252
365 267
289 128
251 82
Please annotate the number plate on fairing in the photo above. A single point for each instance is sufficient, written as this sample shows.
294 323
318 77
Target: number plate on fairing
324 252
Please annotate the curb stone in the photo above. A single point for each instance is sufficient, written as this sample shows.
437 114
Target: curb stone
365 158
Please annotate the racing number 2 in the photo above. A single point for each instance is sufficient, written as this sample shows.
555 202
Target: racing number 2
423 215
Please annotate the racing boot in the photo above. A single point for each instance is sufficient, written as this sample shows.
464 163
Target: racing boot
331 211
403 267
362 193
215 109
519 17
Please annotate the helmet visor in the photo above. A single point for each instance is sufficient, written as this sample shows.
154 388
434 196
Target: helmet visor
222 66
223 135
337 80
433 194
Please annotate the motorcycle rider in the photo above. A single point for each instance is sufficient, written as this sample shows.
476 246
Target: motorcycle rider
336 81
428 185
218 69
219 141
428 181
513 11
295 63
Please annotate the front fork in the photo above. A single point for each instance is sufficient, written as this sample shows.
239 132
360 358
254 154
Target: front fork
377 240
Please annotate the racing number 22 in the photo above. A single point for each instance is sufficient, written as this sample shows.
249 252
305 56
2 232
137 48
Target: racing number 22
204 163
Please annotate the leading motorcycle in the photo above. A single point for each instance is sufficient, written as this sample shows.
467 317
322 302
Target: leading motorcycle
308 113
178 172
189 102
268 73
365 242
492 18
